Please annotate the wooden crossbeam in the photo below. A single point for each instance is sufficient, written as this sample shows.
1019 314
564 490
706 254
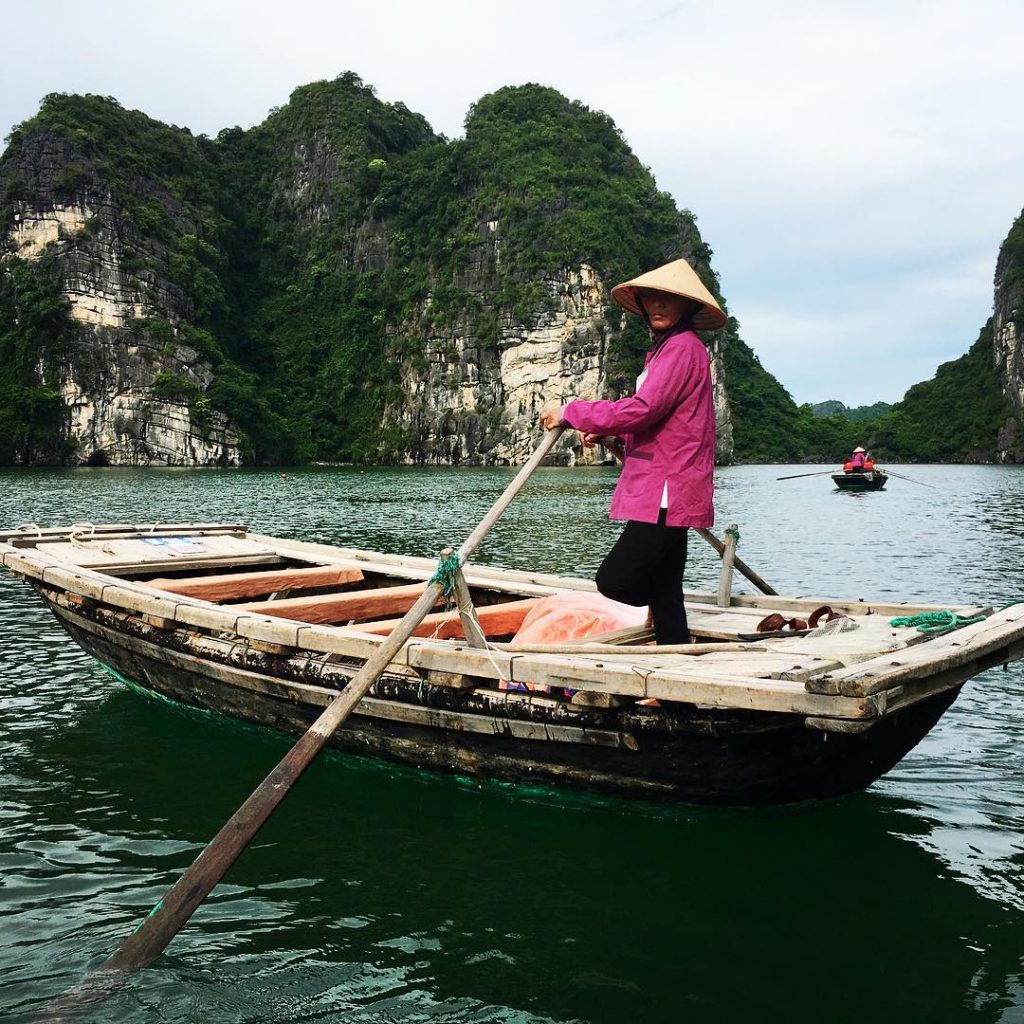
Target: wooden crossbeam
335 608
495 620
229 586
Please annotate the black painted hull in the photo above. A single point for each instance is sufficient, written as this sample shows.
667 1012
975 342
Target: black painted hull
871 481
675 753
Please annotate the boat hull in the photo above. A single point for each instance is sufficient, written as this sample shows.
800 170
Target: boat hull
869 481
677 752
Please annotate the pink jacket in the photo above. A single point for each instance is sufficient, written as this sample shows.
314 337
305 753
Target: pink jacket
669 431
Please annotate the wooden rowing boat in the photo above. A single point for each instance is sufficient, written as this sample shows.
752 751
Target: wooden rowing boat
269 630
867 480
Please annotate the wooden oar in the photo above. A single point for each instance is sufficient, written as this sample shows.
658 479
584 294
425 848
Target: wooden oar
167 918
796 476
737 562
900 476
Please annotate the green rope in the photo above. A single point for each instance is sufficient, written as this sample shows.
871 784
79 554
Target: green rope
731 532
445 575
936 622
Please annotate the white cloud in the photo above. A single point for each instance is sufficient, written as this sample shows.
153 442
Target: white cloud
830 151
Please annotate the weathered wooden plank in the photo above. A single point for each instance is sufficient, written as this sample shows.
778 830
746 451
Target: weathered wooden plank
139 601
589 699
803 606
26 563
73 581
48 533
938 654
586 647
839 724
914 690
494 619
124 554
691 685
207 616
454 680
233 586
472 628
756 694
346 641
728 553
328 608
545 581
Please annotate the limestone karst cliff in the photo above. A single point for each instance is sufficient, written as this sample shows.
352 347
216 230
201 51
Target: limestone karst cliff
1008 339
130 386
338 283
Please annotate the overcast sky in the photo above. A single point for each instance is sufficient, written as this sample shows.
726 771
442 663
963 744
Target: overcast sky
853 165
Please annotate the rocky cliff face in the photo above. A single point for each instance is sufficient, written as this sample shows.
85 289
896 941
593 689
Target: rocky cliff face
134 391
467 403
1008 339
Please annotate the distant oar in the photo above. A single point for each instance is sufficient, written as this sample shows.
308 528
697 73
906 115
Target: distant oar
796 476
737 562
921 483
167 918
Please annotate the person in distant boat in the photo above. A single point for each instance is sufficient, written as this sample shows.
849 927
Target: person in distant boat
667 429
857 461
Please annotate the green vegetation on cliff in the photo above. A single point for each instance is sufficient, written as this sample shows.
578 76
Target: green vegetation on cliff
34 328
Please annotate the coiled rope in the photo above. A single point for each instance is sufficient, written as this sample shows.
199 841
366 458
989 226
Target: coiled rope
936 622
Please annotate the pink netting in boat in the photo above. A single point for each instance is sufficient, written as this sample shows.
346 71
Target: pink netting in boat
561 618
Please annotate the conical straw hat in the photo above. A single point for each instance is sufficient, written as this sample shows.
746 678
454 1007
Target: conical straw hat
677 278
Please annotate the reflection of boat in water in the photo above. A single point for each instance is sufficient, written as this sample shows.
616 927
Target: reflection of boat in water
865 480
270 631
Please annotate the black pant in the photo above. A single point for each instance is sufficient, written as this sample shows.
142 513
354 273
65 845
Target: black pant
645 567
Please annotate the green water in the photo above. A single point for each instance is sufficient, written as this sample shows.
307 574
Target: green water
383 894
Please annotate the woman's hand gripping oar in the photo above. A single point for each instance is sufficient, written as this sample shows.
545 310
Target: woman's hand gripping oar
167 918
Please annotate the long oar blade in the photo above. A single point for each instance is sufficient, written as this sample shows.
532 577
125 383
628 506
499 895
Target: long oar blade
796 476
171 913
910 479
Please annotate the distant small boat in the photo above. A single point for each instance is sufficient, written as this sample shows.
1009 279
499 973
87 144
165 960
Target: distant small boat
866 480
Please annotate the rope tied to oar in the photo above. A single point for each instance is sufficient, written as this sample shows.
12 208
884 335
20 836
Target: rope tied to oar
733 532
447 567
936 622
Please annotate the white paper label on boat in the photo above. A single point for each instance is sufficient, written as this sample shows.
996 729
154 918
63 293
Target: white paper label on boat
179 545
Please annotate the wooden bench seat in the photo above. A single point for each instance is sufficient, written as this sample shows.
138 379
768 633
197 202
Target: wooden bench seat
495 620
328 609
231 586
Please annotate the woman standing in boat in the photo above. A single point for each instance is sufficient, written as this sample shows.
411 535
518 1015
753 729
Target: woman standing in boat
668 434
